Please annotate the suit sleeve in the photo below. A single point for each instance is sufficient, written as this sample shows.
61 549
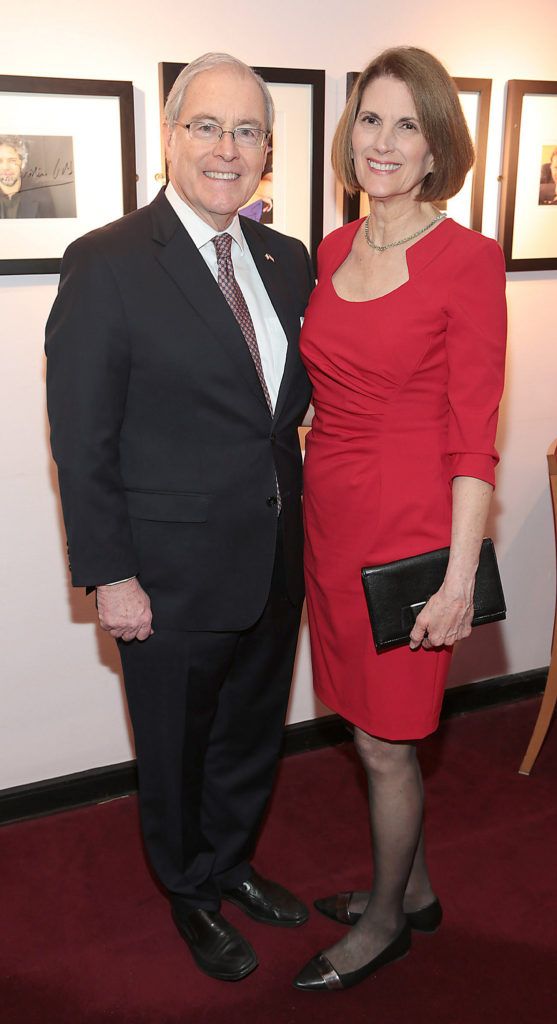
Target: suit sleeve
88 364
310 270
476 338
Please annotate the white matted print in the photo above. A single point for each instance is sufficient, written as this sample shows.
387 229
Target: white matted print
292 160
528 210
72 170
535 220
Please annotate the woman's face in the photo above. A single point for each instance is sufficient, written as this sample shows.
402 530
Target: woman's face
391 155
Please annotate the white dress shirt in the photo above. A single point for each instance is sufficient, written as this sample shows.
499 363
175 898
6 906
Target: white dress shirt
271 338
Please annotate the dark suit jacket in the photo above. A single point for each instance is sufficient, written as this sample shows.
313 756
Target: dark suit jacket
165 447
36 202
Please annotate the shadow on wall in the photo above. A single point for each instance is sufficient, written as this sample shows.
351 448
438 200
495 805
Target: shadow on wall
81 607
482 655
529 586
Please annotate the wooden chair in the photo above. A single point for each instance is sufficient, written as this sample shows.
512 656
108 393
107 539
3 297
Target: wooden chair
549 699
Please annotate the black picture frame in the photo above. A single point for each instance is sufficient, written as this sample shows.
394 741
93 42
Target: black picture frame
480 87
17 86
521 215
315 79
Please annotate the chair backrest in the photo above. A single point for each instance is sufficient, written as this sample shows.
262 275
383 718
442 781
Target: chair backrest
552 468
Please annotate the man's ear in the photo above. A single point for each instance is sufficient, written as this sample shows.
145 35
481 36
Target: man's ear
168 135
265 150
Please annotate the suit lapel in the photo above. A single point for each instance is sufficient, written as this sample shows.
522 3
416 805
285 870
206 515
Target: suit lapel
182 261
276 285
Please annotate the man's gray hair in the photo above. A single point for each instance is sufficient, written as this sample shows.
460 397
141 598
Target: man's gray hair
208 61
17 143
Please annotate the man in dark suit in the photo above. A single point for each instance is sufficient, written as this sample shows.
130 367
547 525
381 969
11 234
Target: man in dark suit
175 392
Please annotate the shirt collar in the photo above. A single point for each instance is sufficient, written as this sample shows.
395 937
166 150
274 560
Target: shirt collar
199 231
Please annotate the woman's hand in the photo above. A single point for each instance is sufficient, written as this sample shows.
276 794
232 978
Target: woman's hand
446 618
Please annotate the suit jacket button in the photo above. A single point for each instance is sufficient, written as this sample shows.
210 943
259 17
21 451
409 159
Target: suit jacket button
272 500
273 438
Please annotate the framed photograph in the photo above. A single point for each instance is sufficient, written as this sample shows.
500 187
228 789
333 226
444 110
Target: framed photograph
290 197
528 210
67 165
467 206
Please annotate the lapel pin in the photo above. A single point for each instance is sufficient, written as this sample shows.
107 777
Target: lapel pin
269 257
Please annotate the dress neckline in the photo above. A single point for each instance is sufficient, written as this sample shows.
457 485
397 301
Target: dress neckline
415 245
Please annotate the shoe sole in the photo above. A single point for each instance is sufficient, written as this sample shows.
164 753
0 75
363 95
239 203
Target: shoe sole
264 920
381 967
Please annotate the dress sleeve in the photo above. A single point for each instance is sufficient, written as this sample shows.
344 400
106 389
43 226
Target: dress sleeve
476 338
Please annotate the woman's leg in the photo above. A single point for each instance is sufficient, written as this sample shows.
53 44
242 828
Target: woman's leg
396 807
418 893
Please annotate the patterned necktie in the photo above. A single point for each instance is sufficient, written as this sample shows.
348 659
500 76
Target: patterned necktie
233 294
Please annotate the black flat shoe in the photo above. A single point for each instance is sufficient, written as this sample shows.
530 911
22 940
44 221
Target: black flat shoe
268 902
217 948
337 907
319 975
427 919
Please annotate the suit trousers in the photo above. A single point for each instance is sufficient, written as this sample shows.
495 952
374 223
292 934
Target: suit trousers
207 710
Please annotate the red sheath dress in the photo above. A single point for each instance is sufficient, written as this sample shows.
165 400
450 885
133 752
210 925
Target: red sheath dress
406 394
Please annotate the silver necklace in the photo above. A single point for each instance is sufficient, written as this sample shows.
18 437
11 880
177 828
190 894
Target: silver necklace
401 241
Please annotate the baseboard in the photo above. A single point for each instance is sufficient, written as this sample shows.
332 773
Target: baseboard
108 783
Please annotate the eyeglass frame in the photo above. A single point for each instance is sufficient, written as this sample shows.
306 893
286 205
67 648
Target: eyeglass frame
227 131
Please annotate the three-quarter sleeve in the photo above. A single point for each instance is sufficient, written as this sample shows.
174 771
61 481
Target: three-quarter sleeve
476 338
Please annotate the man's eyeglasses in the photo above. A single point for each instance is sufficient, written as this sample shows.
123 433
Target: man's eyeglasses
243 135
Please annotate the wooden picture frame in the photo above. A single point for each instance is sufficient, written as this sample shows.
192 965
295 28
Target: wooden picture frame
299 96
528 208
57 125
476 100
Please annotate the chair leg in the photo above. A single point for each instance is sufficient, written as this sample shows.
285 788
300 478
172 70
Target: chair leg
543 721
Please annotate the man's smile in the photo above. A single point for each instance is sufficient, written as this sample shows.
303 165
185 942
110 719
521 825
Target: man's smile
221 175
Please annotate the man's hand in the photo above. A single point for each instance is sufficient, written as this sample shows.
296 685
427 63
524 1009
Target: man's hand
125 610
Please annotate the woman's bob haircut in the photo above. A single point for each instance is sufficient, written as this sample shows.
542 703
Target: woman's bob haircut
439 114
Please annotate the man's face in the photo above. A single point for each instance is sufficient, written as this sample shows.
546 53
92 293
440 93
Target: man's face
10 169
553 168
216 179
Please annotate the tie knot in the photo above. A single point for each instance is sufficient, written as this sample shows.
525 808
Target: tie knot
223 244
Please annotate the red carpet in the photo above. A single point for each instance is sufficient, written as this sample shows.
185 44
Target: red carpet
86 937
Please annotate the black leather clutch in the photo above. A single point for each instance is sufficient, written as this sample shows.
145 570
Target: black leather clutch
397 591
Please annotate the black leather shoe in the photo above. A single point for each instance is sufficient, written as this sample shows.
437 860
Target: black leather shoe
217 948
267 902
319 975
337 907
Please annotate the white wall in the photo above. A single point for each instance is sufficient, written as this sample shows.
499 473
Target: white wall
61 697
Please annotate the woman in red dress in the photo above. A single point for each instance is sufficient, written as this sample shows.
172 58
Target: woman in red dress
404 341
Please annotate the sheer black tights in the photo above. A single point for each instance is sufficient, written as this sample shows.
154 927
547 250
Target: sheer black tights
400 878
